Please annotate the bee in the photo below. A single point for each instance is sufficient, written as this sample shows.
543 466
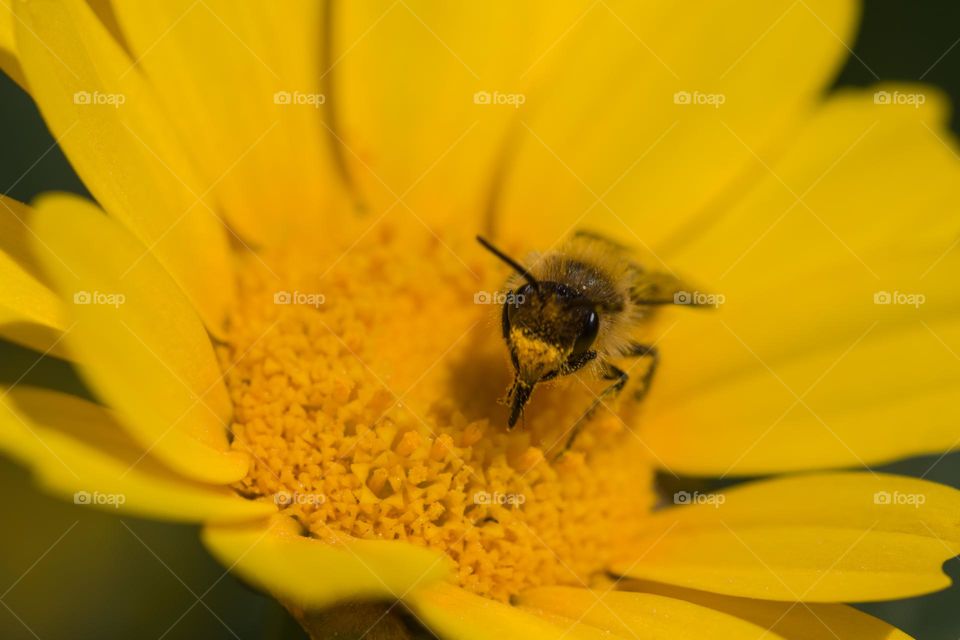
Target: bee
578 306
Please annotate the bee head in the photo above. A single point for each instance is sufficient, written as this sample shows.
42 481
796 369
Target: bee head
546 327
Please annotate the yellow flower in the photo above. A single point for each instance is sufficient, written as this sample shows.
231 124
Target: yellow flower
278 308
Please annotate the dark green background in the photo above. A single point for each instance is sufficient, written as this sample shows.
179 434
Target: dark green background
112 578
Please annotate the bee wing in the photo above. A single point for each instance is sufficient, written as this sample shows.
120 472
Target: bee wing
584 235
657 288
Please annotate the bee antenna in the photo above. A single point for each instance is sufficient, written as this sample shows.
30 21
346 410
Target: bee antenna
519 268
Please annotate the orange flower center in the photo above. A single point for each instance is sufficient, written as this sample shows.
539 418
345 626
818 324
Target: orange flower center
365 377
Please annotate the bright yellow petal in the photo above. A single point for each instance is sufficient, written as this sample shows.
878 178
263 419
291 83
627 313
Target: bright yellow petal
840 188
857 166
646 113
893 394
105 12
116 137
804 368
849 537
793 621
222 69
138 341
311 573
640 615
452 612
407 78
9 63
30 314
79 451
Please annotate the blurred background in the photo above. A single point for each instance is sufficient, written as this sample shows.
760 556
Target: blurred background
73 572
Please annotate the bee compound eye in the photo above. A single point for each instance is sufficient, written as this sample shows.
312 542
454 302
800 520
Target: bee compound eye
588 333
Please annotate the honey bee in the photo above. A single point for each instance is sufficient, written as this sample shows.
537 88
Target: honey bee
579 306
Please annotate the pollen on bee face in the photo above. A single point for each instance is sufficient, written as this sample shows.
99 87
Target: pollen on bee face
537 356
403 439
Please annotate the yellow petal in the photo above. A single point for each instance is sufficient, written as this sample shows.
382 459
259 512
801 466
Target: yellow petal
30 314
223 69
640 615
79 451
849 537
138 341
8 46
646 113
112 129
452 612
817 233
311 573
791 620
838 189
408 82
800 308
892 394
108 18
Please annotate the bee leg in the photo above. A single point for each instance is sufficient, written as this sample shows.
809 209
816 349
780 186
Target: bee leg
644 351
610 372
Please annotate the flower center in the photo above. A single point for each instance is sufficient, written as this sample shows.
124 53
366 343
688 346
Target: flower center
365 377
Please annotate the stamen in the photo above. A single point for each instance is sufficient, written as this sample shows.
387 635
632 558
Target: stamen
367 398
